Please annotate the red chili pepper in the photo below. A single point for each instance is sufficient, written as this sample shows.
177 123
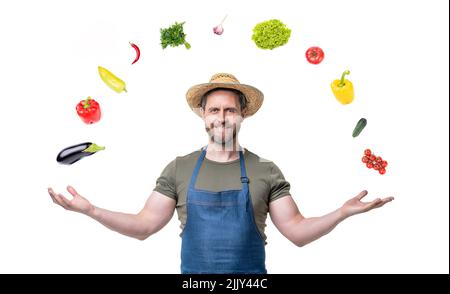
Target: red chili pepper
138 52
89 110
314 55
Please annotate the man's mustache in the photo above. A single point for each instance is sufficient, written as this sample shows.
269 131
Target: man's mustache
221 125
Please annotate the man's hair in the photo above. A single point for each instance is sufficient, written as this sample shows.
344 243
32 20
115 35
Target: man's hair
241 96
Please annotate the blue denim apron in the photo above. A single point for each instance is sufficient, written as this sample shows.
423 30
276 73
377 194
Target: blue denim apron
220 236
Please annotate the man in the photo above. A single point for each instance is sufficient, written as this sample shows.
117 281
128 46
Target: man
222 193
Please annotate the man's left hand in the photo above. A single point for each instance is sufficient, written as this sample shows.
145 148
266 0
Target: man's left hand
355 205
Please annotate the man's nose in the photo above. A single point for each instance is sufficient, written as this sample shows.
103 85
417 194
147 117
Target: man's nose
221 116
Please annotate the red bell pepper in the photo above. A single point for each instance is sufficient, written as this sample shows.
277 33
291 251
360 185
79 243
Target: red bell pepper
89 110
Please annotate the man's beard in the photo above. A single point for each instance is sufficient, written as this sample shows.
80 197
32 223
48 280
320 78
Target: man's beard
223 138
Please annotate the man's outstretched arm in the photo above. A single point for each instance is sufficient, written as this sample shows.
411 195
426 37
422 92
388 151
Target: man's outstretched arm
157 212
301 231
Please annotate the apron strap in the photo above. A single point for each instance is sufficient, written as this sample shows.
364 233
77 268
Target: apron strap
244 178
197 169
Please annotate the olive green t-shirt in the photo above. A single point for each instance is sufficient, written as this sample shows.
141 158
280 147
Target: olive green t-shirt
266 182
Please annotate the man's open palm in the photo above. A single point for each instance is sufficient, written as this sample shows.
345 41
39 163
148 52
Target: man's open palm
77 204
355 205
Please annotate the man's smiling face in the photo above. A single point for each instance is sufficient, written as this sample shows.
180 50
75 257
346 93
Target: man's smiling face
222 116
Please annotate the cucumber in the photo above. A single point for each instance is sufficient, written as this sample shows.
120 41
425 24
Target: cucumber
359 127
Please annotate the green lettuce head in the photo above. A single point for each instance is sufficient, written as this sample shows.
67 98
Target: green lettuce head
271 34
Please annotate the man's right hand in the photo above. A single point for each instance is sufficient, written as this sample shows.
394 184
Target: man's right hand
157 212
77 204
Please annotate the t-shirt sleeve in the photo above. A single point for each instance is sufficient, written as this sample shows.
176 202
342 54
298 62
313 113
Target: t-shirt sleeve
165 184
279 187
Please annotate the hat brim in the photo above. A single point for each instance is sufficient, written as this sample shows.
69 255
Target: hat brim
254 96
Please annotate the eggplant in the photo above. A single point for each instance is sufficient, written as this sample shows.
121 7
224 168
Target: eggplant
74 153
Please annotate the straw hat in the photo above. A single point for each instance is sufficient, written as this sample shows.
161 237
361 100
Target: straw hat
223 80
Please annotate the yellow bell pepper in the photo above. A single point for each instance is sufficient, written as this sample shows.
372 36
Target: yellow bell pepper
343 89
111 80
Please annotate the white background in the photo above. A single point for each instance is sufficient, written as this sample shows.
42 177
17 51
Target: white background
397 52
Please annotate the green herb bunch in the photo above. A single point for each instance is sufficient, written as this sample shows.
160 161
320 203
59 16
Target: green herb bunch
174 36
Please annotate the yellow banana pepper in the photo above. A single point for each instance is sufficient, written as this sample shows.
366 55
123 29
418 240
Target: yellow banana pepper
343 89
111 80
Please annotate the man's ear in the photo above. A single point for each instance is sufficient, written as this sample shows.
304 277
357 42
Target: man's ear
244 113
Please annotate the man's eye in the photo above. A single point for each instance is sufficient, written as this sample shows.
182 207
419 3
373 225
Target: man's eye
214 110
232 110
